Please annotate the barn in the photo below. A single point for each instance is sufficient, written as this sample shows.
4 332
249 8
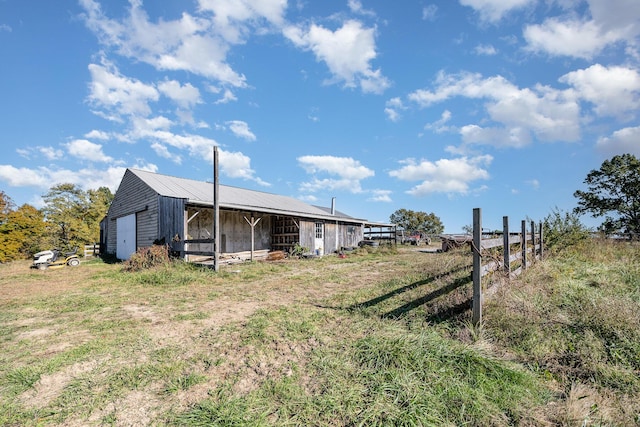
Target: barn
153 208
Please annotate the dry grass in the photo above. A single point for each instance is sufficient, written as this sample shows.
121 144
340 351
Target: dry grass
381 338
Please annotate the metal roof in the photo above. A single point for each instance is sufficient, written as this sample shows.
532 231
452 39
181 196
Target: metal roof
201 192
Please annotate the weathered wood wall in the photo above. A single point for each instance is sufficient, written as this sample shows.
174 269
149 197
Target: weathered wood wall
133 197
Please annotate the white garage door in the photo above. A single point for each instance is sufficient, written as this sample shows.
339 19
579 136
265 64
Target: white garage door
126 232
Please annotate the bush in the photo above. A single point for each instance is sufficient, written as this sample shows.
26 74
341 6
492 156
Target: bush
148 257
563 229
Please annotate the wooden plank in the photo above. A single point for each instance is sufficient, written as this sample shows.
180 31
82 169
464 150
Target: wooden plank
490 243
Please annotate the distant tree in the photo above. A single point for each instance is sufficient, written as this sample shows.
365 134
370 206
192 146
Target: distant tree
67 216
99 202
613 192
409 220
6 206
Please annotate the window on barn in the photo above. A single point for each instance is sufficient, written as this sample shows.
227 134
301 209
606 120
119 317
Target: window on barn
318 230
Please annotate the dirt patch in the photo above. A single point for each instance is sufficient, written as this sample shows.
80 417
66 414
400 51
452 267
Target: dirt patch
50 386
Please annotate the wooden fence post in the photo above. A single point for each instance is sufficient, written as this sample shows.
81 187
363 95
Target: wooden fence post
541 241
524 244
506 245
533 242
477 266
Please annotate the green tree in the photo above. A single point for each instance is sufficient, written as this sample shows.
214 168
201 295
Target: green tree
21 230
6 206
67 216
99 202
563 229
409 220
614 192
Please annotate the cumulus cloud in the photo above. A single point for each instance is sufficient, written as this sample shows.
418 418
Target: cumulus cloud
429 12
241 130
614 91
449 176
85 178
195 44
516 113
622 141
119 95
87 150
585 34
186 96
346 173
347 52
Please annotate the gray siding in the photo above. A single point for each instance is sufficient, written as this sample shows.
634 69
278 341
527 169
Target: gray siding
235 232
308 234
133 197
171 222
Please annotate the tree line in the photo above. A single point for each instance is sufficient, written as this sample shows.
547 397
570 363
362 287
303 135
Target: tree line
69 218
612 192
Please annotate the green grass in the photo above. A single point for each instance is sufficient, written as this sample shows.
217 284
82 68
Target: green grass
379 338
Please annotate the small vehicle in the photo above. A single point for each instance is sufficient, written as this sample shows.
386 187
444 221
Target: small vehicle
54 258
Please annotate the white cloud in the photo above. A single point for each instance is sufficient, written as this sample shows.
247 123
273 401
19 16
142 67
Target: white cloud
348 53
494 10
622 141
485 49
580 39
615 91
5 27
349 173
51 153
119 95
227 97
429 12
549 114
380 196
186 96
238 165
356 7
440 125
241 130
186 44
448 176
97 134
87 150
584 34
45 178
393 108
232 19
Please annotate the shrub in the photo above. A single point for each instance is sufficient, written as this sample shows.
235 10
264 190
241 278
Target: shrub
148 257
563 229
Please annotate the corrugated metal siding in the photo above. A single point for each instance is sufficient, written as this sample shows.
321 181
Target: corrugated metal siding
133 196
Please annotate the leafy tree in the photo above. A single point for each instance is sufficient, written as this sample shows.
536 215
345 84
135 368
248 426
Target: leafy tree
563 229
614 192
427 223
99 200
21 230
66 213
6 206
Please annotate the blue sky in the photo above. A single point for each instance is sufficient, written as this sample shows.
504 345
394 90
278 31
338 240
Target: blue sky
435 106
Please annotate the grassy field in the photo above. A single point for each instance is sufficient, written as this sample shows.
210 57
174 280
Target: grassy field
377 338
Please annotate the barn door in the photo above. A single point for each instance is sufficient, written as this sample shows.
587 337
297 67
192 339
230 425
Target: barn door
319 241
126 232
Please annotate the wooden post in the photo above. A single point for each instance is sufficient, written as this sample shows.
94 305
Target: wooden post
216 211
533 242
252 223
524 245
507 246
541 241
477 266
